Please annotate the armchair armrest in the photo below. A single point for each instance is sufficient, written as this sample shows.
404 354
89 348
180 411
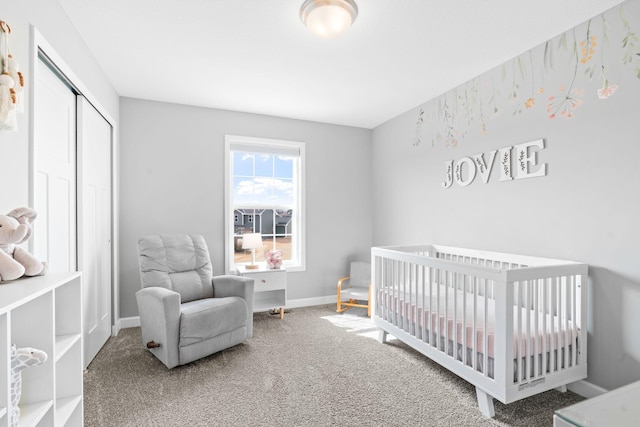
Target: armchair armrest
340 282
236 286
159 310
233 286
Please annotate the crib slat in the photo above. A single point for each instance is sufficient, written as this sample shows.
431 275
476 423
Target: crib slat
388 296
448 275
580 319
574 327
389 291
397 289
536 312
515 305
416 301
485 329
423 272
557 322
411 270
439 289
454 322
413 301
384 285
474 327
464 321
400 288
529 362
401 293
433 321
552 337
433 307
395 292
545 311
565 317
409 297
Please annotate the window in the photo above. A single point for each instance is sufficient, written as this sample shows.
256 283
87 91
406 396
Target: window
264 194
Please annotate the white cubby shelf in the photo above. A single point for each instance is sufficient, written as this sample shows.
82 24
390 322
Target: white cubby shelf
43 312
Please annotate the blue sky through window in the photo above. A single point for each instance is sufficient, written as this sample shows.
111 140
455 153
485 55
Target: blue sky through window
262 180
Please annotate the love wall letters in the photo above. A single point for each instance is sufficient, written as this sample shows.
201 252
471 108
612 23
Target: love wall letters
517 162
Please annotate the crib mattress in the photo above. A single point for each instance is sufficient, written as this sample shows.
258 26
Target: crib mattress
551 330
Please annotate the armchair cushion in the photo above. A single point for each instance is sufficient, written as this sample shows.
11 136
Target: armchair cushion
210 317
179 262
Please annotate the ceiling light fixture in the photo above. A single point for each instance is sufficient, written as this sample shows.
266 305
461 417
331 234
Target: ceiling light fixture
328 18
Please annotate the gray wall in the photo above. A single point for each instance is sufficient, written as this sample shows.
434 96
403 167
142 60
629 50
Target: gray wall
172 181
50 20
586 208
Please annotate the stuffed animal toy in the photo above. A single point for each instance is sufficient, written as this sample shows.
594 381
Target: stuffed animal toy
21 358
15 262
8 83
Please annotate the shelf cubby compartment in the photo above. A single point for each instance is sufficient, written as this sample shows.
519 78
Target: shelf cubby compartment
31 326
68 314
68 384
36 414
268 300
68 353
69 411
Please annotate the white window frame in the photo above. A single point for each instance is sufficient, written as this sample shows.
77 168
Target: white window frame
299 226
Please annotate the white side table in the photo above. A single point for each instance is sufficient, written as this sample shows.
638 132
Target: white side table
618 408
270 288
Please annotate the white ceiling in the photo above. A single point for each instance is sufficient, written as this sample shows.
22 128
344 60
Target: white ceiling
256 56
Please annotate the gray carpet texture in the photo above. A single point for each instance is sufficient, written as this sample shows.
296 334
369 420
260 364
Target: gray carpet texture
314 368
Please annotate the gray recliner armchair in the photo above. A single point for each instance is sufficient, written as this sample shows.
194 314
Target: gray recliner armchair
185 313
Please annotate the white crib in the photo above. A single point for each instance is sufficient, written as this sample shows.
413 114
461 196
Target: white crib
441 300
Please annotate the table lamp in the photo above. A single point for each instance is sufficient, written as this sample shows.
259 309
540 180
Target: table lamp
252 241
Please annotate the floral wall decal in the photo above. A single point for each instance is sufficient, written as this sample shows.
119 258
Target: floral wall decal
419 124
631 44
606 90
575 62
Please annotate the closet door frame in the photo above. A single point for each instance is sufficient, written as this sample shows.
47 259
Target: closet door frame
40 46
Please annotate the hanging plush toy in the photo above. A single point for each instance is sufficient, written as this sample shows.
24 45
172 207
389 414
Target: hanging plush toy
18 83
11 82
21 358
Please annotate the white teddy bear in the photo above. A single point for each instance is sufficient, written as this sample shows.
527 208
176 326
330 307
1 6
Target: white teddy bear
15 262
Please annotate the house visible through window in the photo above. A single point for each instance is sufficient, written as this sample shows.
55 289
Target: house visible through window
264 195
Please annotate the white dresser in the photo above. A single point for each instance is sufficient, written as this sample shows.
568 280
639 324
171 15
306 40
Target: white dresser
270 288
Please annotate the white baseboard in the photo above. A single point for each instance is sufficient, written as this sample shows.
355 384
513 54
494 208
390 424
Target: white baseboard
134 322
586 389
308 302
128 322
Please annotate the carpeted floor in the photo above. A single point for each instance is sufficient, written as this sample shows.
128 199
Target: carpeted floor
314 368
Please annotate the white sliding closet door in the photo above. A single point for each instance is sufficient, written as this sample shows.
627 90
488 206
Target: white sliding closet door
73 196
54 162
94 220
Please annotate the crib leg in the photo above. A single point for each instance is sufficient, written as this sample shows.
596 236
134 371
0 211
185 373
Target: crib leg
485 402
562 388
382 336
